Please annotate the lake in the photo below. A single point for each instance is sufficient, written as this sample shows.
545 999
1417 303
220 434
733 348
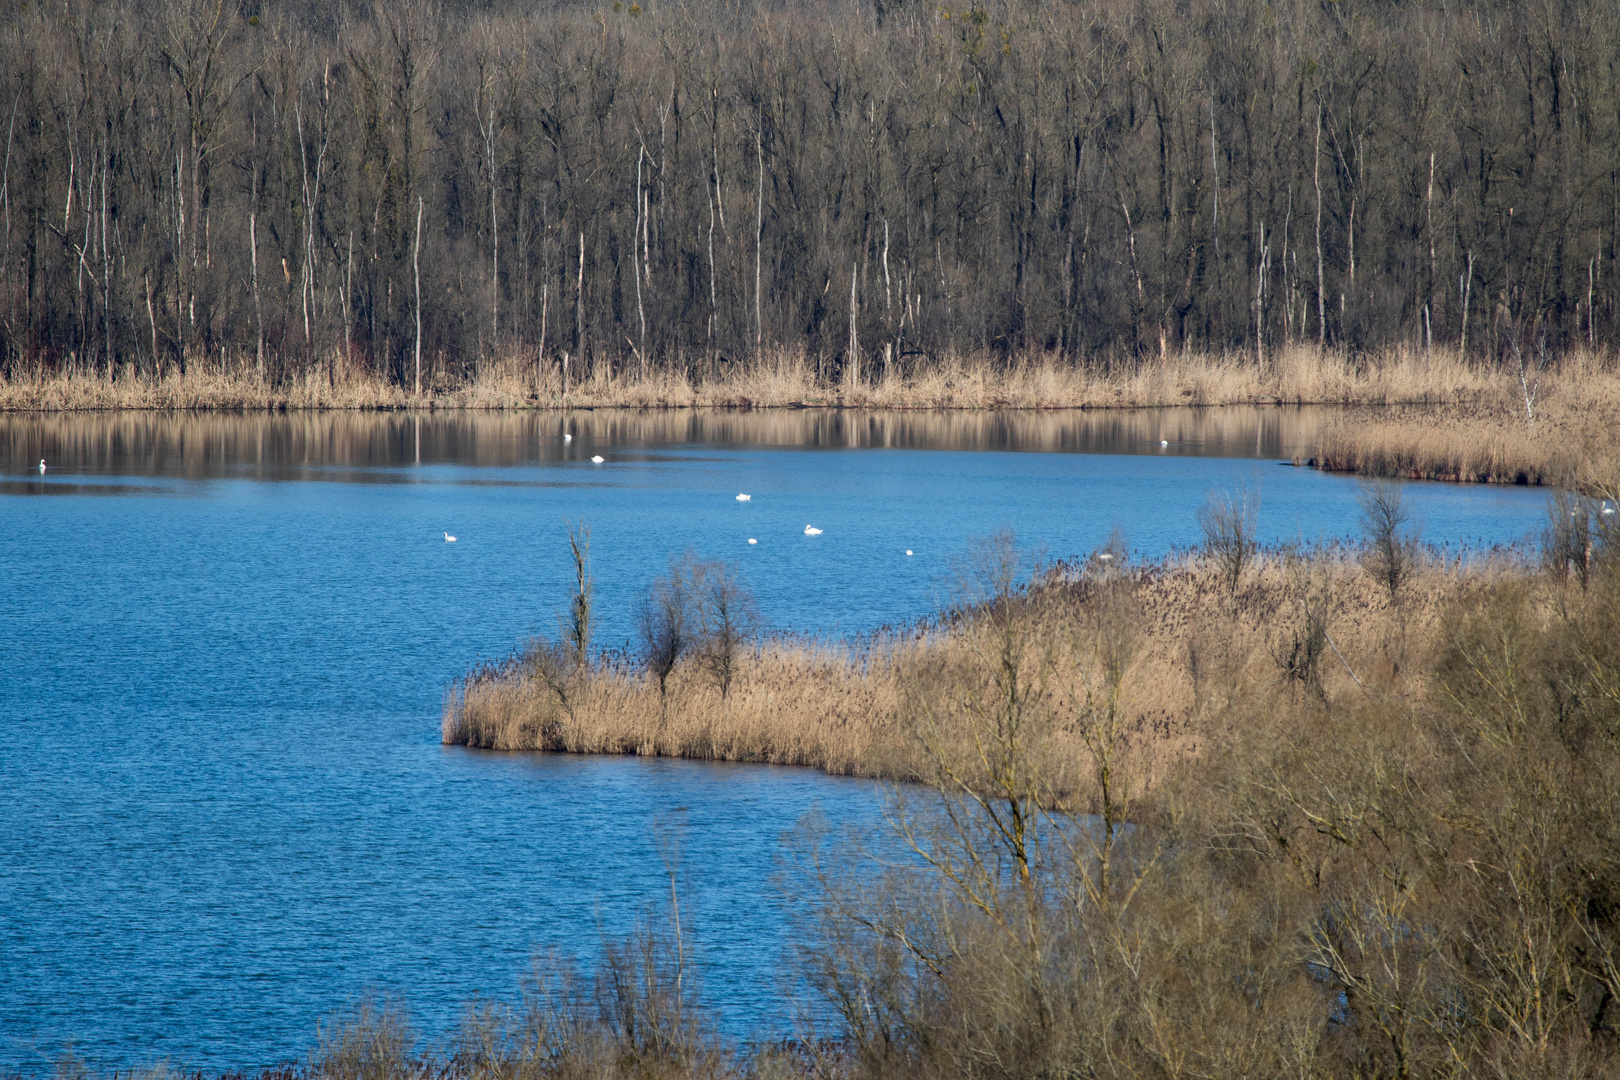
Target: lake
224 808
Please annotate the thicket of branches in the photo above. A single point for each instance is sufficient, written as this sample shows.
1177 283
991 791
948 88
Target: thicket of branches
1390 850
290 186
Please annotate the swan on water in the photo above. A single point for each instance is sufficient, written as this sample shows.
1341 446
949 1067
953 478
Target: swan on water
744 498
42 466
598 459
751 540
567 437
1163 443
449 539
811 530
908 551
1607 509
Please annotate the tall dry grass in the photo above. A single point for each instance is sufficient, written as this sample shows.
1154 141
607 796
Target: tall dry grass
776 380
1569 437
849 708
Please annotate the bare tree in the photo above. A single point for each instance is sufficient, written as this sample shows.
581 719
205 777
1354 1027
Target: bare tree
1227 519
727 618
1390 538
664 622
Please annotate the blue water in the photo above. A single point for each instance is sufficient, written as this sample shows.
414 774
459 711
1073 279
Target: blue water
224 643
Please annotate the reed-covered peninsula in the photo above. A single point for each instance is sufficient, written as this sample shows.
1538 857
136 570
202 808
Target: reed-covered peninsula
1352 812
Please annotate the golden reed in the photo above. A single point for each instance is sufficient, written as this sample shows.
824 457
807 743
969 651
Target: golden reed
1196 650
1035 381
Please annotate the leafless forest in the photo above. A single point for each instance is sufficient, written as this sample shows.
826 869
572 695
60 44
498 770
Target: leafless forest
414 190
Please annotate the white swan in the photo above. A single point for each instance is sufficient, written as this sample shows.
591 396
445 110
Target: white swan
811 530
42 466
567 437
598 459
1163 443
744 498
1607 509
751 540
908 551
449 539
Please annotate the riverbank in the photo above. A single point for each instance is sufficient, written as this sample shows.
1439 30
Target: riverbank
1292 376
1372 803
1569 436
1197 647
1411 415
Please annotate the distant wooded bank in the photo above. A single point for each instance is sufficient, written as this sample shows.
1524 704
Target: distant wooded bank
418 191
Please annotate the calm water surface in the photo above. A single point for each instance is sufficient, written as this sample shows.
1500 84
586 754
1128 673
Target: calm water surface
224 642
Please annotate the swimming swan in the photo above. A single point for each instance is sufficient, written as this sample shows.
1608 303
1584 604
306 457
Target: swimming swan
811 530
597 459
567 437
449 539
42 466
744 498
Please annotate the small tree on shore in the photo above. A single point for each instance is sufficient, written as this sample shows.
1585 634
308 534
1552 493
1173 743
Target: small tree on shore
727 617
1390 544
664 623
1227 519
577 630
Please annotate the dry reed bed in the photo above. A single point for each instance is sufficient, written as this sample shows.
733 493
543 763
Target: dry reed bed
1037 381
1569 440
1198 653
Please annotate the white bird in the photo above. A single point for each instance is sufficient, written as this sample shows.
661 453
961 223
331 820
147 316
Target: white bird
567 437
811 530
751 540
1607 509
449 539
908 551
42 466
597 459
744 498
1164 442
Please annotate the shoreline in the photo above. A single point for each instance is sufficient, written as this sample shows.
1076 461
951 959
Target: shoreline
848 708
1407 414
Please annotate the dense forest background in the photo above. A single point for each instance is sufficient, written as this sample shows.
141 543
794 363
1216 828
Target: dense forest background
294 185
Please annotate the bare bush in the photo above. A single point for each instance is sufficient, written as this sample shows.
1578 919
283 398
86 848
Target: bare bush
1390 544
373 1042
727 618
1227 519
1300 648
664 623
578 625
1570 541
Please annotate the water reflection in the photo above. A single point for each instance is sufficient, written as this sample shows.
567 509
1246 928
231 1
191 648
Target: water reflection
291 445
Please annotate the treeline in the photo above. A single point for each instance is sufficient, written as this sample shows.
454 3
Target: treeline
417 189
